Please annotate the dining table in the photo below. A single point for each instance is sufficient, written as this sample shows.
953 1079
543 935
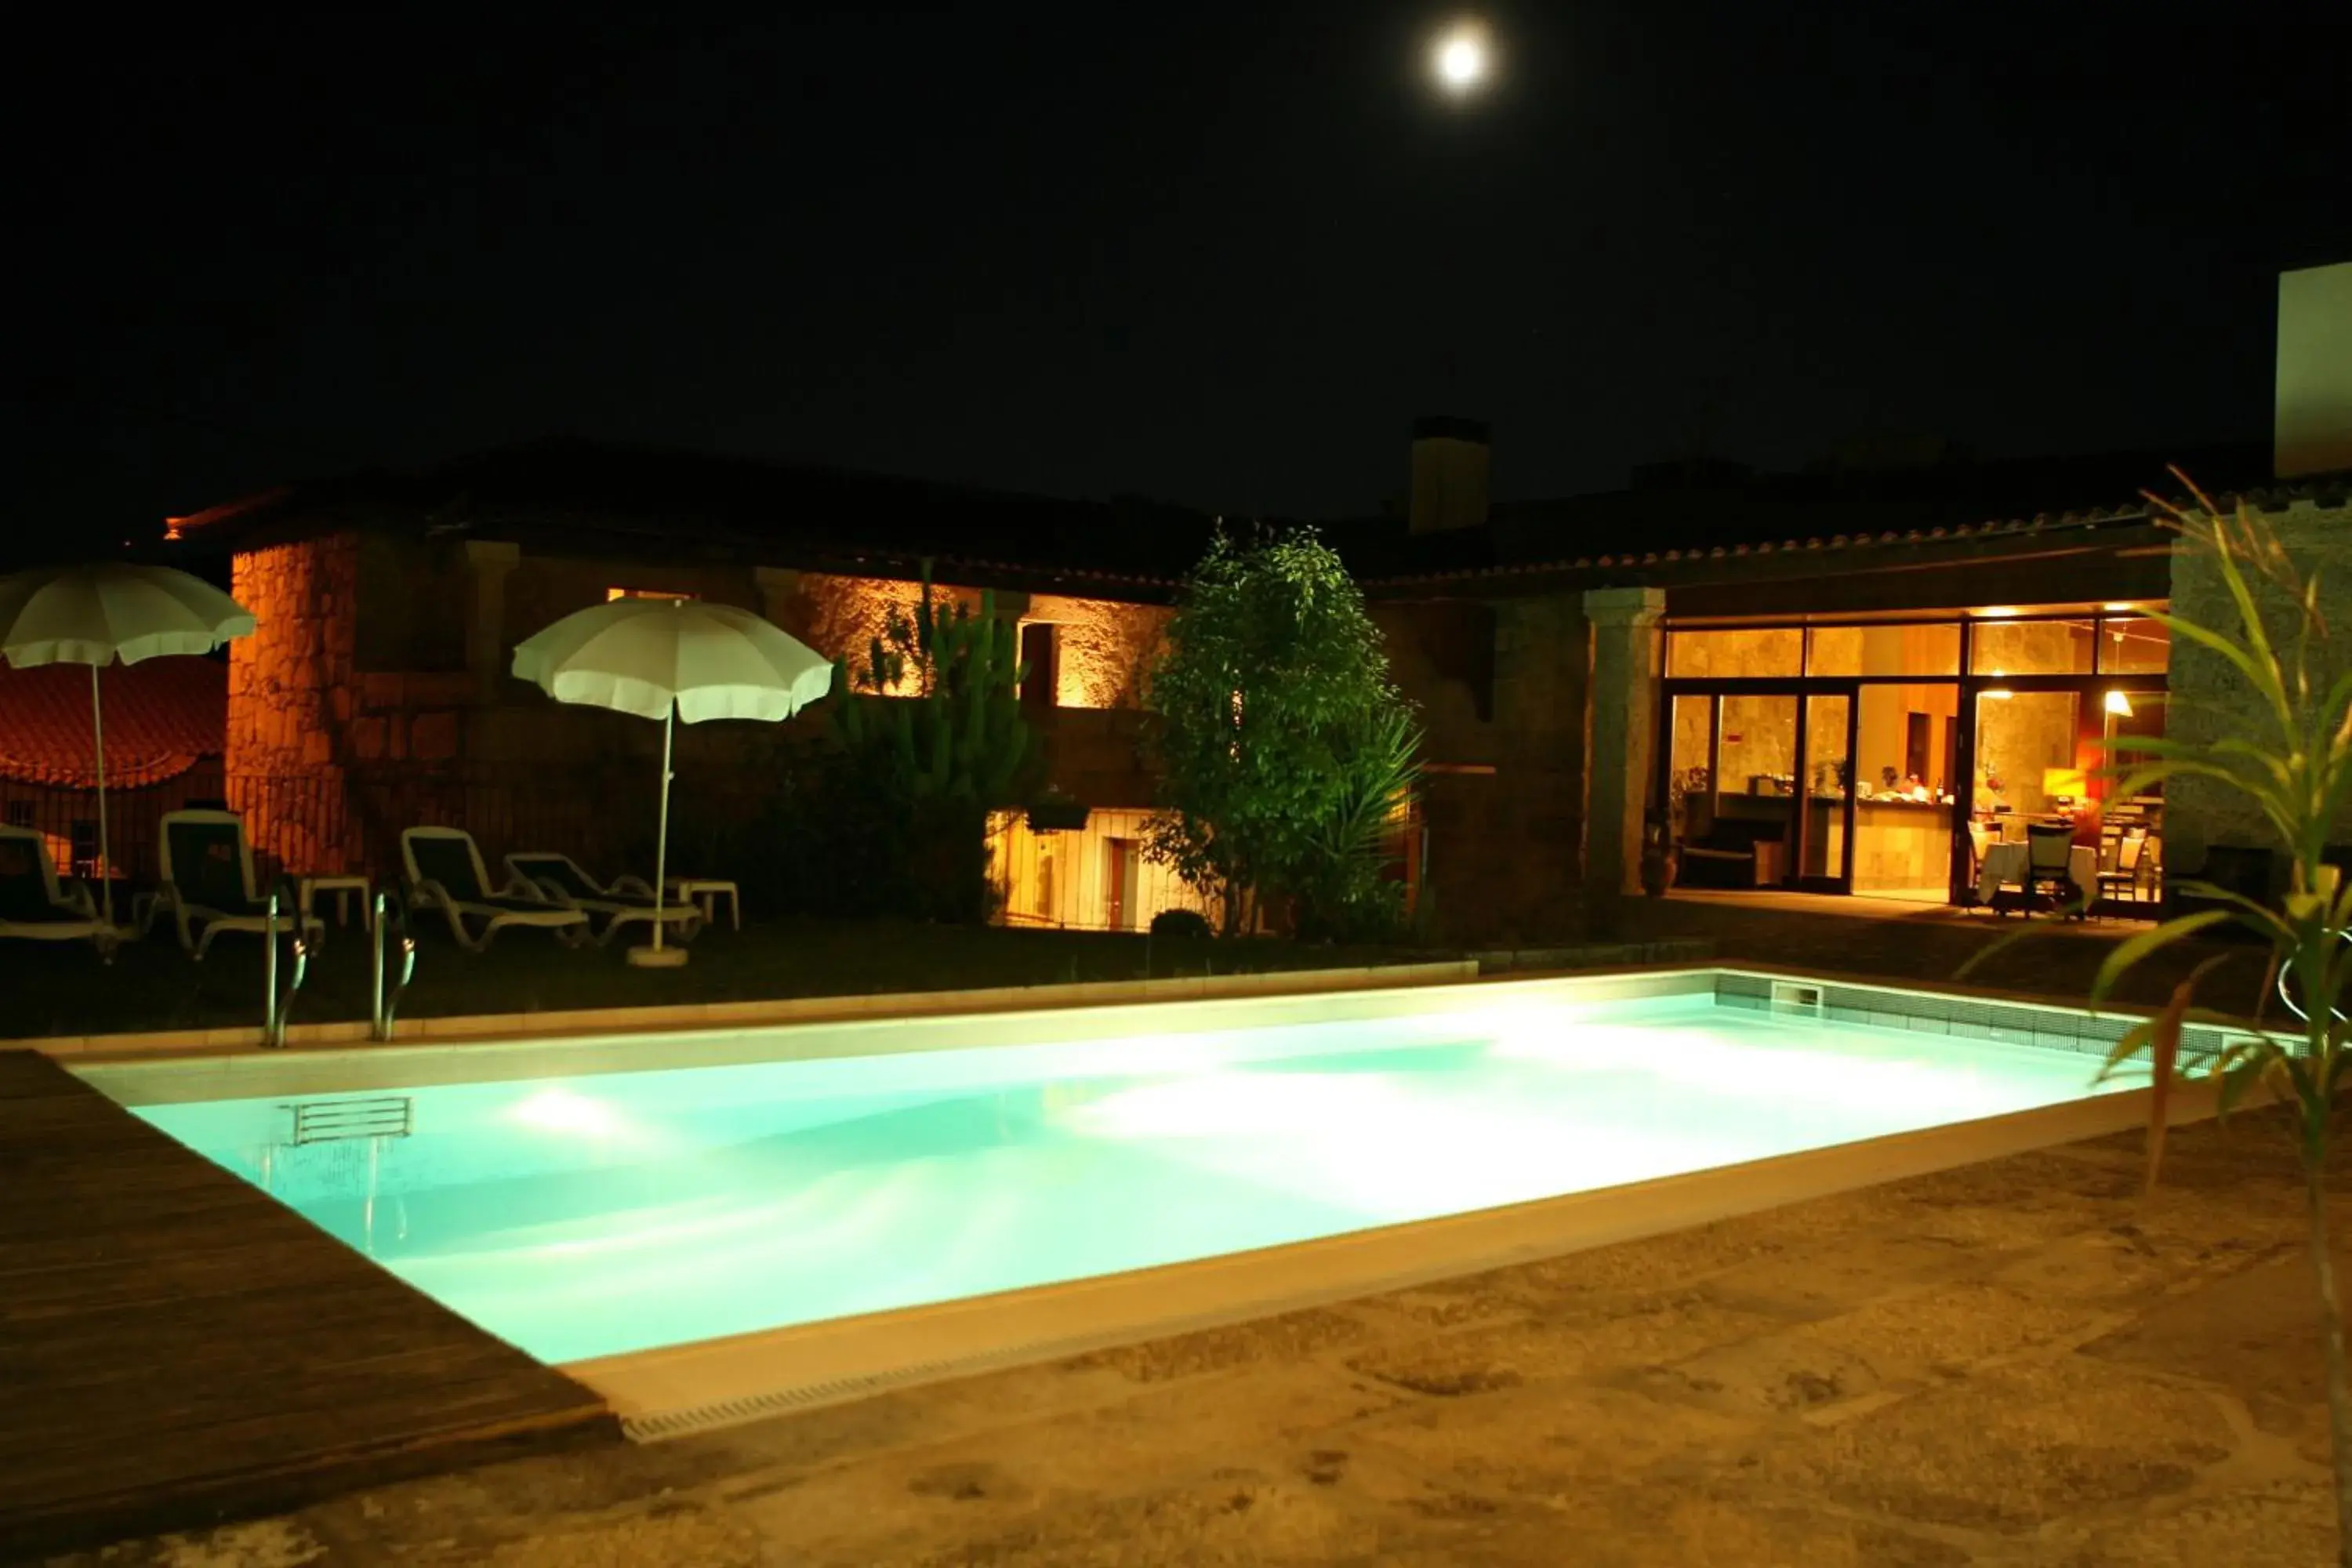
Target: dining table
2007 864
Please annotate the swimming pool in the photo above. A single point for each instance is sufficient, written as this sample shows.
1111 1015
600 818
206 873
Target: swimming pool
592 1214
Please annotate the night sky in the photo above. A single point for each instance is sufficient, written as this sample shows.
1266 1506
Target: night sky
1216 254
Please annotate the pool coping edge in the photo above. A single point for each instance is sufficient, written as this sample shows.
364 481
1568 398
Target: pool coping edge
705 1385
502 1028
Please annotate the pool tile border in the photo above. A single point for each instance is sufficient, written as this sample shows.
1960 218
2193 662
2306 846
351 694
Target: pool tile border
504 1028
728 1034
2045 1026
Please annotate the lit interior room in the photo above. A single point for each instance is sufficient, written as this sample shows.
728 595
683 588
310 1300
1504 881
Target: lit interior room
1926 760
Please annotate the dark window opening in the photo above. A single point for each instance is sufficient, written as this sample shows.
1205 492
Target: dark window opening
1040 652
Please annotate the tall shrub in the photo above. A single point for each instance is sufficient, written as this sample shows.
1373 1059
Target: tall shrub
919 773
2283 744
1280 743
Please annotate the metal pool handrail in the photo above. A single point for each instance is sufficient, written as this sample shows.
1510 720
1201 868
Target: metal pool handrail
276 1010
389 913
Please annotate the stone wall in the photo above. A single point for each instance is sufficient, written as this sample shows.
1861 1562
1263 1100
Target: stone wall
375 696
1543 652
1096 754
291 692
543 589
841 617
1104 650
1504 737
2199 813
413 599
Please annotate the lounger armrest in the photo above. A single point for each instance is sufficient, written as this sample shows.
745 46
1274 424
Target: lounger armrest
73 893
634 886
169 903
427 893
551 890
520 887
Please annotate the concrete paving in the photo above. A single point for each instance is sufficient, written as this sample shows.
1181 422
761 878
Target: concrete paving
2021 1361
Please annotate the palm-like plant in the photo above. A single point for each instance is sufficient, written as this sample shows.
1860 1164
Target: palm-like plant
2284 746
1345 854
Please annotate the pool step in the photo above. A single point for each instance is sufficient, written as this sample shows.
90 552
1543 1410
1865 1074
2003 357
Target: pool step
331 1121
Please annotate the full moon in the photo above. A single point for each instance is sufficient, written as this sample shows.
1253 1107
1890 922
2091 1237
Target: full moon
1461 58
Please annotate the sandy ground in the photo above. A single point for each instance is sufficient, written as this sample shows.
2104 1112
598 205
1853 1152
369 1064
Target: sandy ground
2016 1362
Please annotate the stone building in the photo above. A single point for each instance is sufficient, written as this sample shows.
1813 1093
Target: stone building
375 692
1870 678
1862 675
1856 680
1862 712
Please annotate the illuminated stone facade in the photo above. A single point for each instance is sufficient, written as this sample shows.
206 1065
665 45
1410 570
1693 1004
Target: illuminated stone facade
1102 648
374 695
2200 812
842 617
291 696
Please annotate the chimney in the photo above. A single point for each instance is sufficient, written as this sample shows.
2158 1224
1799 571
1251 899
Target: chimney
2312 431
1450 457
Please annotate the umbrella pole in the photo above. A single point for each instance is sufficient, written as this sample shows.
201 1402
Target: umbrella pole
97 733
661 833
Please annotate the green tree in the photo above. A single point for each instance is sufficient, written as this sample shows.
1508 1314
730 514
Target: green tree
2284 745
923 769
1280 742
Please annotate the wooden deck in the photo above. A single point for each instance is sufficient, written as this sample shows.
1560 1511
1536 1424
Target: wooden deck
177 1349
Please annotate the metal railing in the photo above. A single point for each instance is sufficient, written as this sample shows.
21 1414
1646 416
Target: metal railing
277 1009
602 815
391 914
66 819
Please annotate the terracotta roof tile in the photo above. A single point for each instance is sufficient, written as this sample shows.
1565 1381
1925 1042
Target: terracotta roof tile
160 716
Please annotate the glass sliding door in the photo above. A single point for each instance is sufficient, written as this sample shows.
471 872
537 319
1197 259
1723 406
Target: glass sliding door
2039 746
1757 787
2131 828
1887 757
1752 804
1907 746
2033 758
1690 767
1826 863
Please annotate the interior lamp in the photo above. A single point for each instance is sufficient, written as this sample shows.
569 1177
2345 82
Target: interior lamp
2119 705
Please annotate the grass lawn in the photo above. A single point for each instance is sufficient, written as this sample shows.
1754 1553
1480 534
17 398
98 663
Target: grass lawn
65 990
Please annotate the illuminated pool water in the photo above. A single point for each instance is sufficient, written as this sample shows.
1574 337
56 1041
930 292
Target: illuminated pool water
614 1212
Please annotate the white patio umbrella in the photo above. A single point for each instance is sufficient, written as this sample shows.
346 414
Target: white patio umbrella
95 615
673 660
